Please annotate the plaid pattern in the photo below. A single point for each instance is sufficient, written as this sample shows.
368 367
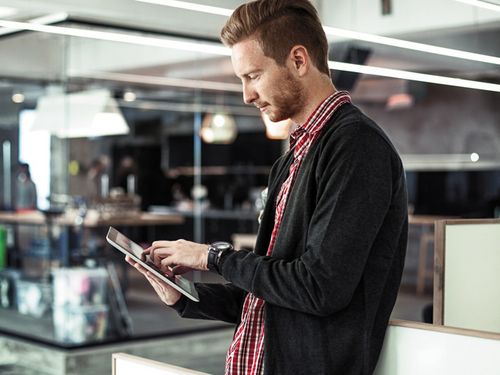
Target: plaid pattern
246 353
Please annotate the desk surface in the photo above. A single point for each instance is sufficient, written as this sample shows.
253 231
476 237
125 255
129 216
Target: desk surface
427 219
93 220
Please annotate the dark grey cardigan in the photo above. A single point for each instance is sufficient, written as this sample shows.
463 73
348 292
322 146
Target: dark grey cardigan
334 274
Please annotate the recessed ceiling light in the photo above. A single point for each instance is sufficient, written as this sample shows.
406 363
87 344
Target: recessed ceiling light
18 98
129 96
7 12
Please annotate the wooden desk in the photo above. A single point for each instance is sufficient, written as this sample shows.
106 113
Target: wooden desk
92 219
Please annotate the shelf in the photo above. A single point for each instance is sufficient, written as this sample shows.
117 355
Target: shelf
209 213
218 170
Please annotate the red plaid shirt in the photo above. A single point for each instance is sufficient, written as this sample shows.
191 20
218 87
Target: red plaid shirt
246 353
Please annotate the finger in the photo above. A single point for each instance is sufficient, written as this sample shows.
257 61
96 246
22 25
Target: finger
150 276
157 283
158 254
145 254
157 244
141 269
179 270
167 264
130 261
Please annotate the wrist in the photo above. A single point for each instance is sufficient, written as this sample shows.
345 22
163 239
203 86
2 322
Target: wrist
215 252
173 300
204 258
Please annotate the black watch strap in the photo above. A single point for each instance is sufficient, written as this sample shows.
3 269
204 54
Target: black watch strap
215 251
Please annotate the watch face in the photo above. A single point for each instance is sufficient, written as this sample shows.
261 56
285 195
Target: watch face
222 246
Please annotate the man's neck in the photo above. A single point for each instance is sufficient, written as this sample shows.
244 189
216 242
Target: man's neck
316 94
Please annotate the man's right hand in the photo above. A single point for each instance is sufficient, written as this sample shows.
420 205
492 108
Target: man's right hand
166 293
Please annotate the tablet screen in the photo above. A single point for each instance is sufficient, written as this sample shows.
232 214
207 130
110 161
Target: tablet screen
127 246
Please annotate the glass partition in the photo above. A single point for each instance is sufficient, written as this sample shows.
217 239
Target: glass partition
111 127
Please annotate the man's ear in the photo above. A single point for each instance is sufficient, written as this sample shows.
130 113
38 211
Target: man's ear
300 59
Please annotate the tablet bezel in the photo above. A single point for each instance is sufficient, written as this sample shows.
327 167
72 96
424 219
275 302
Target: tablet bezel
111 238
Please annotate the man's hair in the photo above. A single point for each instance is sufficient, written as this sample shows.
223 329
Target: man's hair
278 25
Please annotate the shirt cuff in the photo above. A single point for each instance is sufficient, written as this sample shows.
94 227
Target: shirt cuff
223 257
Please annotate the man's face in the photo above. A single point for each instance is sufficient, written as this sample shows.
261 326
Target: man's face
270 87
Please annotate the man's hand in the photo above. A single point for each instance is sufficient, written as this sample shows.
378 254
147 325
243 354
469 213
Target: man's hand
166 293
178 256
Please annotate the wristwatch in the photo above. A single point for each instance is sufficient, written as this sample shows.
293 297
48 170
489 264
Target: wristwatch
215 251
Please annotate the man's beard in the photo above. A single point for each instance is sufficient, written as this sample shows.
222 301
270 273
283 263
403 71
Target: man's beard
288 100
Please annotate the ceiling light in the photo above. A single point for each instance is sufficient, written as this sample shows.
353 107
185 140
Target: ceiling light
162 81
399 101
343 33
191 6
18 98
91 113
482 4
413 76
129 96
44 20
7 12
420 47
211 48
216 49
474 157
218 128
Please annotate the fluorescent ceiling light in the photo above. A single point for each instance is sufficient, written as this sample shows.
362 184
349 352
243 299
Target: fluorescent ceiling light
335 31
7 12
421 47
413 76
198 47
216 49
161 81
191 6
44 20
482 4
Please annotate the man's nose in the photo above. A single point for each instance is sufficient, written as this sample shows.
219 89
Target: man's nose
249 94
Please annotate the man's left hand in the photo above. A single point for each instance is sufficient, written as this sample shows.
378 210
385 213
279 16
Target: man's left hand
178 256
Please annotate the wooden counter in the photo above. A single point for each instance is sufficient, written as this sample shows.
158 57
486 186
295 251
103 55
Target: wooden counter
92 219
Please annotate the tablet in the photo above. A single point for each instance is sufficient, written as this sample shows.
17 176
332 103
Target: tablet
128 247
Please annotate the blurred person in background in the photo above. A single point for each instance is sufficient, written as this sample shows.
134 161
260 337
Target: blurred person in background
25 192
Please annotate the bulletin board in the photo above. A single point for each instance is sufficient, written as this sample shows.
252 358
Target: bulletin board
467 274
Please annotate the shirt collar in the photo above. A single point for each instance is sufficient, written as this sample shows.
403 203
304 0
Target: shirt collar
314 123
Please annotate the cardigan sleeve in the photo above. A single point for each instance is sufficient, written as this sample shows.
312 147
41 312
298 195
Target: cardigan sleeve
353 197
220 301
217 302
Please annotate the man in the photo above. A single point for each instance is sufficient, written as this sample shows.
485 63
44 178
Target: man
315 295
